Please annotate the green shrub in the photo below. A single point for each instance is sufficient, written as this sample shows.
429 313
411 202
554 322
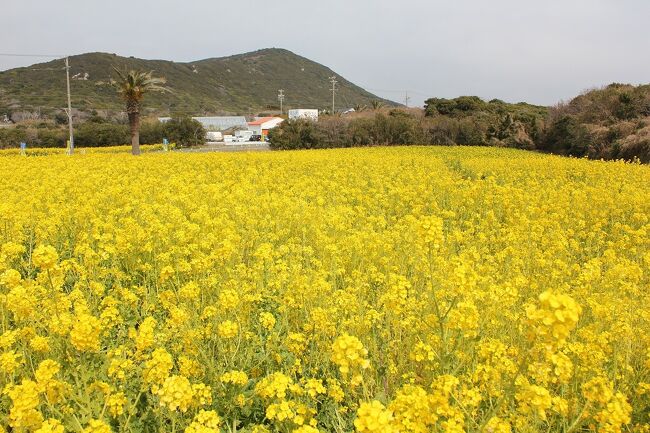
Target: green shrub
12 137
396 128
566 135
296 134
98 132
184 131
471 133
360 132
151 132
51 137
93 134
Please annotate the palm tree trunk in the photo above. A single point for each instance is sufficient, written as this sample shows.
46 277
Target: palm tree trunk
134 123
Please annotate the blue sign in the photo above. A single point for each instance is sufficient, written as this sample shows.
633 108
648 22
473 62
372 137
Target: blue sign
23 146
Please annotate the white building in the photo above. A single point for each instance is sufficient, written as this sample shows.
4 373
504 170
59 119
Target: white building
262 125
302 113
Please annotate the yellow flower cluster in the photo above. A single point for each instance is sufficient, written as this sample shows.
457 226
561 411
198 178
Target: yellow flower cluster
414 410
97 426
45 257
276 385
350 356
555 317
374 417
176 393
234 377
115 404
611 409
144 338
206 421
85 333
411 290
158 367
267 320
228 329
306 429
9 361
51 425
25 400
533 398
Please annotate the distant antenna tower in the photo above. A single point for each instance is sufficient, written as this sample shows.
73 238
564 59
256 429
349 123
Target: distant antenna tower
407 99
334 82
281 99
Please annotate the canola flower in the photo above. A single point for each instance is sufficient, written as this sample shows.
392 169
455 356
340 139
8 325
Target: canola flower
420 289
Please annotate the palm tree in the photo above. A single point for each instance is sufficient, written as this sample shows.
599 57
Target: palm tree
132 86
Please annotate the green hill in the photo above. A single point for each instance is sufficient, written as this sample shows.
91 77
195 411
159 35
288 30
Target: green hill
241 83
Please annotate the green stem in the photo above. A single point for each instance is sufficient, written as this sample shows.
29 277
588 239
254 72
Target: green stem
576 423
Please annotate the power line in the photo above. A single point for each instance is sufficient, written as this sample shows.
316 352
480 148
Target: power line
383 90
54 56
400 91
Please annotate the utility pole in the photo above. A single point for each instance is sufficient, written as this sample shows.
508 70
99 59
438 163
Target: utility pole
333 81
281 99
407 99
67 75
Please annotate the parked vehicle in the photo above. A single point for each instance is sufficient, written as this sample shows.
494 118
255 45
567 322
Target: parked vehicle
255 137
243 135
213 136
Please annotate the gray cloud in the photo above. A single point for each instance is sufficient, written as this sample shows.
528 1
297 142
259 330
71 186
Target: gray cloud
539 52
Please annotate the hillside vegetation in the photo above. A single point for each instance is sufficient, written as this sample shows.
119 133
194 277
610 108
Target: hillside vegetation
241 83
470 120
467 120
608 123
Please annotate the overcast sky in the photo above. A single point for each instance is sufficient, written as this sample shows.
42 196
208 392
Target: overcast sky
516 50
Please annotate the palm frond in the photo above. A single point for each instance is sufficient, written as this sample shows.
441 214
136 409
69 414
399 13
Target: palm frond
133 85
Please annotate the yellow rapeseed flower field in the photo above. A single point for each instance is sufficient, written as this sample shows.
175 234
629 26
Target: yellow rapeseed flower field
420 289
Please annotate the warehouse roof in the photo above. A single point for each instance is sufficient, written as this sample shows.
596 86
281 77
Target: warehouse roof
217 123
262 120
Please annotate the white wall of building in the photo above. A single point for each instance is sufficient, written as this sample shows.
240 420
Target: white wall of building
302 113
270 124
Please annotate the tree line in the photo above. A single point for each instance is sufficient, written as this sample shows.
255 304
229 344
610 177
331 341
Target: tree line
97 131
608 123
